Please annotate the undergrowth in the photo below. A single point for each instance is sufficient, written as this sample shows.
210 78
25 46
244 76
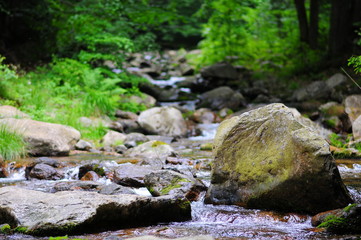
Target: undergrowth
12 144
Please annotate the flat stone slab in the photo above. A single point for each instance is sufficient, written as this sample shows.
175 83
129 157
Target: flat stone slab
77 212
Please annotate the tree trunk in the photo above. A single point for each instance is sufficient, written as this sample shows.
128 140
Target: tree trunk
341 29
313 29
302 20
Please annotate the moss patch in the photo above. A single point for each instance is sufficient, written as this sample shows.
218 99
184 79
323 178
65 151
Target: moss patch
158 143
5 228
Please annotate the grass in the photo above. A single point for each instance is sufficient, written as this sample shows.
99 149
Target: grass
12 144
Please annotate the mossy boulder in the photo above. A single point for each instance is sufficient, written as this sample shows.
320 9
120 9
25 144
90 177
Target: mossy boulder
268 159
167 182
340 221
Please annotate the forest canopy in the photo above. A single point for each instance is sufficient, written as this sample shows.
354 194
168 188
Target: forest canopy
255 33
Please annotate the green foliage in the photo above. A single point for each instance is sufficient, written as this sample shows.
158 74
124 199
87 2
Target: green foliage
12 144
7 75
5 228
332 221
66 90
355 61
337 141
260 35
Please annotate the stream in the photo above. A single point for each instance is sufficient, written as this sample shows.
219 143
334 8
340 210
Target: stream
222 222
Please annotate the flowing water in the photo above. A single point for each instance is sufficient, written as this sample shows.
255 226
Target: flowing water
222 222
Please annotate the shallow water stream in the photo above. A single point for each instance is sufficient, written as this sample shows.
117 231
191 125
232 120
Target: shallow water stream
222 222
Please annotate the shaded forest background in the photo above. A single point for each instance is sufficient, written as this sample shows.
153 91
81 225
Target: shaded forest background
253 31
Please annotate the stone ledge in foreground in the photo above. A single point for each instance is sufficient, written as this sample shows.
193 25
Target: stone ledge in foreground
80 212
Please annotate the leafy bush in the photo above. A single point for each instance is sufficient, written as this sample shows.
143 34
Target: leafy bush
12 144
67 89
7 75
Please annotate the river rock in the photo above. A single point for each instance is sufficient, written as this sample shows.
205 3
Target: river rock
353 107
152 150
267 159
113 138
131 175
166 121
45 172
204 115
76 186
149 237
11 112
167 182
46 139
222 97
340 221
79 212
126 115
114 189
83 145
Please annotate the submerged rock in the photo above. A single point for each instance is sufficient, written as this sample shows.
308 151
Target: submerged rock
66 212
268 159
44 139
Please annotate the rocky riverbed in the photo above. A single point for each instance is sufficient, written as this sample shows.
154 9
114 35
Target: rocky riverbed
271 167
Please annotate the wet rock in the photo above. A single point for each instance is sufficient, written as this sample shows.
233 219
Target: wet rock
3 169
113 138
152 150
166 121
199 237
267 159
44 139
340 221
353 107
45 172
83 145
49 161
114 189
222 97
11 112
79 212
90 176
76 186
98 168
131 175
166 182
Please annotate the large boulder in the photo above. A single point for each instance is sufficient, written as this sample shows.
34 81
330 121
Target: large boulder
44 139
78 212
167 121
268 159
11 112
222 97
